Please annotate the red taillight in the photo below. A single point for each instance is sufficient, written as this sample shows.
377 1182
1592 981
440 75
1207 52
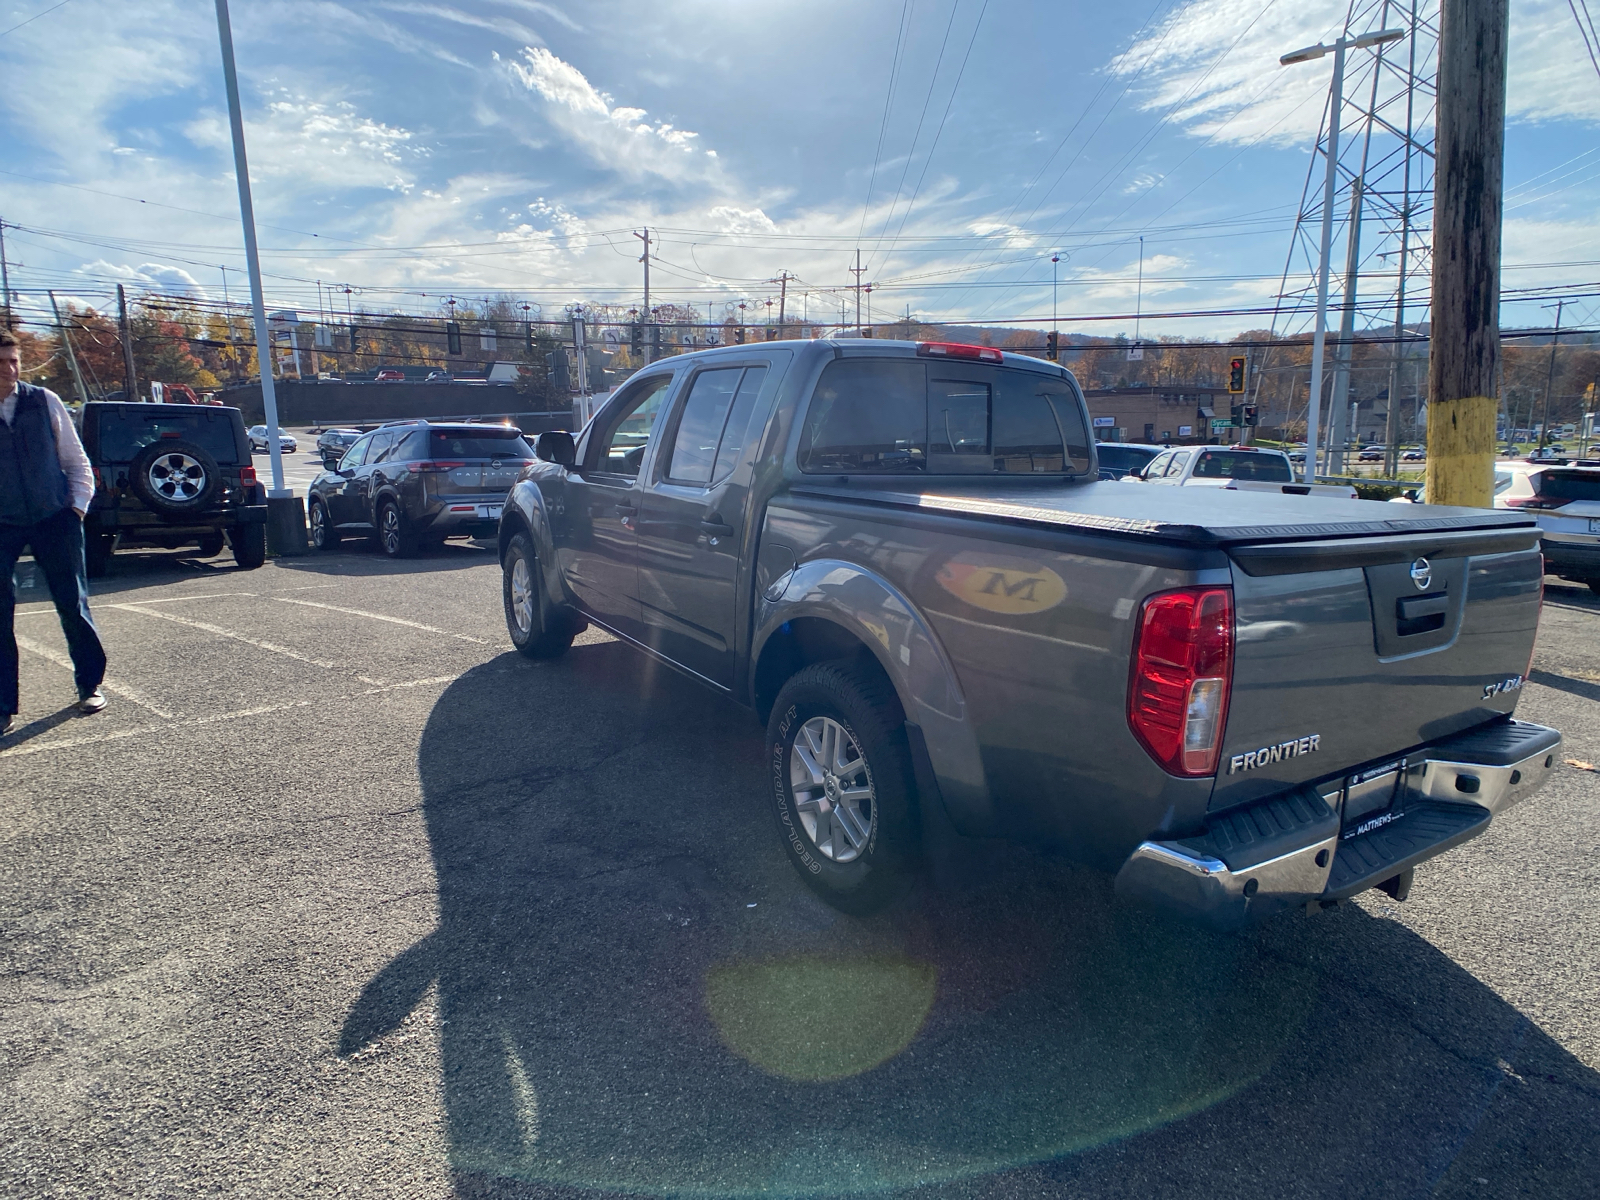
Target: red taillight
1182 674
418 468
247 475
1535 502
959 350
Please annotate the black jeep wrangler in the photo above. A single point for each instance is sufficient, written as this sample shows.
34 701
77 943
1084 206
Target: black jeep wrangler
171 475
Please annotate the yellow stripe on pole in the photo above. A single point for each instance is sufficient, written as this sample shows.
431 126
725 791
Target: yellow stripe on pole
1461 451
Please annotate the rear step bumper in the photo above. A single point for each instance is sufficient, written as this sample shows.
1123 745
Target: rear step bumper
1326 841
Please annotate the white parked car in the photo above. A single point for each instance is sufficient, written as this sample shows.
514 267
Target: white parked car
258 440
1566 500
1236 468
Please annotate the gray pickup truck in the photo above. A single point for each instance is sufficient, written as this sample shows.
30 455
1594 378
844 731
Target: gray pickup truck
901 557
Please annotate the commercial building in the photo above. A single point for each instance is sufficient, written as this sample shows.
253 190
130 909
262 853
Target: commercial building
1182 415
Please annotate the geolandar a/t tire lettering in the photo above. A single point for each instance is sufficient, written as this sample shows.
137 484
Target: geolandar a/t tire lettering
841 783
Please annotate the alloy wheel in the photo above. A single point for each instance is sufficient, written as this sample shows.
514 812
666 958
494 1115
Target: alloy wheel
177 477
521 596
833 791
391 530
319 526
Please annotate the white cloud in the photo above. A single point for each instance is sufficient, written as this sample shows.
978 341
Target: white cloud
620 136
730 219
1214 64
317 144
150 276
1142 182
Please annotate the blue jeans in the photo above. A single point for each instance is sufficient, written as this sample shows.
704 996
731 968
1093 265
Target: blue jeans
58 550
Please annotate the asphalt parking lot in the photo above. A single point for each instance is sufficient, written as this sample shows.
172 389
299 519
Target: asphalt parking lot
341 896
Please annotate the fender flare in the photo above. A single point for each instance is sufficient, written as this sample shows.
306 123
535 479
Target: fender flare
880 617
525 512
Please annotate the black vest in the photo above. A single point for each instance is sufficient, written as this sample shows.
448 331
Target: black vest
32 484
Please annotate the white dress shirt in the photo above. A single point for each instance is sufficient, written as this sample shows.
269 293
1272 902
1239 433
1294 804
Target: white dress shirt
69 449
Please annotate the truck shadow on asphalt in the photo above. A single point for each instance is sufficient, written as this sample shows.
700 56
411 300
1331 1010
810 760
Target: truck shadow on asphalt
638 996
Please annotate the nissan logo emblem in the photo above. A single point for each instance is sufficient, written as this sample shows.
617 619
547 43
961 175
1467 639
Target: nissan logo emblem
1421 574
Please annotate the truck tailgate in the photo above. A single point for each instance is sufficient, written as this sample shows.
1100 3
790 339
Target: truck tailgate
1353 651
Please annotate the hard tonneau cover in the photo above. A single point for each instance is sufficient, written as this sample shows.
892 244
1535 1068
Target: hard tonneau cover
1217 518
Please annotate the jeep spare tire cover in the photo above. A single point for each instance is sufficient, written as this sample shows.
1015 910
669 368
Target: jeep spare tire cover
174 477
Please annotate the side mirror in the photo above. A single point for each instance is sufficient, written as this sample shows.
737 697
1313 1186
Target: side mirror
1410 494
557 447
330 462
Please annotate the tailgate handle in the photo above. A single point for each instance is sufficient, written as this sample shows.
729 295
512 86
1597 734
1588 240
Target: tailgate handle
1422 606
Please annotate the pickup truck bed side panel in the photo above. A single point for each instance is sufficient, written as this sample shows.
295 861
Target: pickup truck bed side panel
1038 632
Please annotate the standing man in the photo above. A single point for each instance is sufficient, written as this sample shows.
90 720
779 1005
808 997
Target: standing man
46 484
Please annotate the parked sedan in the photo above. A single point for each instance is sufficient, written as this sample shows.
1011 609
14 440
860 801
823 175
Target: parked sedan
389 375
336 441
258 441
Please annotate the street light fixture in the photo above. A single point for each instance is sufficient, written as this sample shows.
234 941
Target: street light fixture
1335 112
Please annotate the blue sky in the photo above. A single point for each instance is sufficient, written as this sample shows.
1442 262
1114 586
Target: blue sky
510 146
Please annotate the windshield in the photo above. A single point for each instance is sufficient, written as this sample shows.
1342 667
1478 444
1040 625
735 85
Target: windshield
123 433
1242 464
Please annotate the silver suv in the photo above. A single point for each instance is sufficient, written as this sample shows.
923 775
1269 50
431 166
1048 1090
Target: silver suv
416 483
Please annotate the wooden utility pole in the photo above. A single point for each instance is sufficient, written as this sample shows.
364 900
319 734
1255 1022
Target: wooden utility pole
130 379
1464 342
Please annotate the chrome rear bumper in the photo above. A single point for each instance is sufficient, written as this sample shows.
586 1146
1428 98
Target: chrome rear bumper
1306 845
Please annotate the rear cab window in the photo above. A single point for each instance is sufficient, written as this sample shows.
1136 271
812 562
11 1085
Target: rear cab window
120 434
895 415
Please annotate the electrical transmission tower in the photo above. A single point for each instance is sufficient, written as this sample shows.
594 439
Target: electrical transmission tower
1382 219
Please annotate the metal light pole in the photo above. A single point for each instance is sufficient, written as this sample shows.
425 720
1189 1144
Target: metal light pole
247 218
1550 379
1319 341
1054 259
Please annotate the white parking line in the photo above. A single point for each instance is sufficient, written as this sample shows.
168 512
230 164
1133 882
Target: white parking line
357 612
114 686
183 599
119 735
228 633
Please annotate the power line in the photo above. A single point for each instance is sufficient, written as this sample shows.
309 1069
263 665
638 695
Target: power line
888 100
35 17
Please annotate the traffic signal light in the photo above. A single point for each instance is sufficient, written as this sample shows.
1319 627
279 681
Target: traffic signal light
655 341
555 364
738 335
636 339
1236 375
452 336
353 346
1052 345
527 335
1251 418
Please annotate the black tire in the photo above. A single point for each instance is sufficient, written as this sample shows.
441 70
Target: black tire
175 478
537 629
396 538
97 551
211 544
859 865
249 544
323 535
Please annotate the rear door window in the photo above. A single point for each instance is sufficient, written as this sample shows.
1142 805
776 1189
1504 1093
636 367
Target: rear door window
700 421
123 434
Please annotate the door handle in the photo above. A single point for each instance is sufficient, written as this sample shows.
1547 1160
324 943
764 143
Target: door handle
715 528
625 510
